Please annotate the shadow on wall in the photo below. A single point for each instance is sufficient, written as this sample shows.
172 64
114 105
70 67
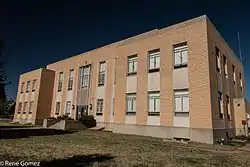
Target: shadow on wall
81 160
13 133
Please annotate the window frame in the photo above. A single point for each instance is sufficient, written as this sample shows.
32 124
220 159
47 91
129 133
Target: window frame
220 105
22 87
25 107
84 76
58 107
33 85
99 107
60 82
180 48
154 95
234 74
71 79
101 74
131 97
28 86
181 93
133 60
241 81
68 108
31 106
218 59
225 65
228 109
153 55
19 107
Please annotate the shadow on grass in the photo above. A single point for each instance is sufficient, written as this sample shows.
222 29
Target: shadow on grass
80 160
27 132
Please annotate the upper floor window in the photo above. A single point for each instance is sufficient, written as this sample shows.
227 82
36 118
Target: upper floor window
241 82
220 105
180 55
225 66
33 85
22 86
153 103
234 74
70 81
28 86
60 82
130 104
154 60
132 65
99 107
84 76
217 53
181 100
101 75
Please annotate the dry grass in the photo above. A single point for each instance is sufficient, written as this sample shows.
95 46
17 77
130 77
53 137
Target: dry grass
91 148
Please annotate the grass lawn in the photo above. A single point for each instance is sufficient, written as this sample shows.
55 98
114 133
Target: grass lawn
92 148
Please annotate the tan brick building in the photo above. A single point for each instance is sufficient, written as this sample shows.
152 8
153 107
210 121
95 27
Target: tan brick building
182 81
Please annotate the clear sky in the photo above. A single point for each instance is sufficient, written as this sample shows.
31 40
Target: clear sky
40 32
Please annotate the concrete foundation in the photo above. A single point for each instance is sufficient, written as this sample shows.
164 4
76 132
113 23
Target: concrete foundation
193 134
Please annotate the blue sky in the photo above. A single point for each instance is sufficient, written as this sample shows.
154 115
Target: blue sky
41 32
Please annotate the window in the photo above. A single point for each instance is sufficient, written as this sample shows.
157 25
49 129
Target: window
84 76
154 60
57 108
225 66
31 107
67 109
101 76
180 55
132 65
220 105
19 107
60 81
33 85
70 82
130 104
181 100
28 86
241 83
217 53
99 107
234 75
25 107
22 87
153 103
113 112
228 110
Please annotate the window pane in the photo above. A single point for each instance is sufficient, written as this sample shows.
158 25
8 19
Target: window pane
129 105
157 102
130 67
184 56
151 104
178 104
135 66
177 58
134 105
151 63
185 104
157 63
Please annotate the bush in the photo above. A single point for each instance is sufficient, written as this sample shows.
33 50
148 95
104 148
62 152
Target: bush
88 120
51 118
242 137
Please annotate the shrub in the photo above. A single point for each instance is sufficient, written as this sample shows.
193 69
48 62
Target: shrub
88 120
51 118
242 137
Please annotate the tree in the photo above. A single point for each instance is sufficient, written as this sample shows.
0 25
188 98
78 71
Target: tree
3 81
